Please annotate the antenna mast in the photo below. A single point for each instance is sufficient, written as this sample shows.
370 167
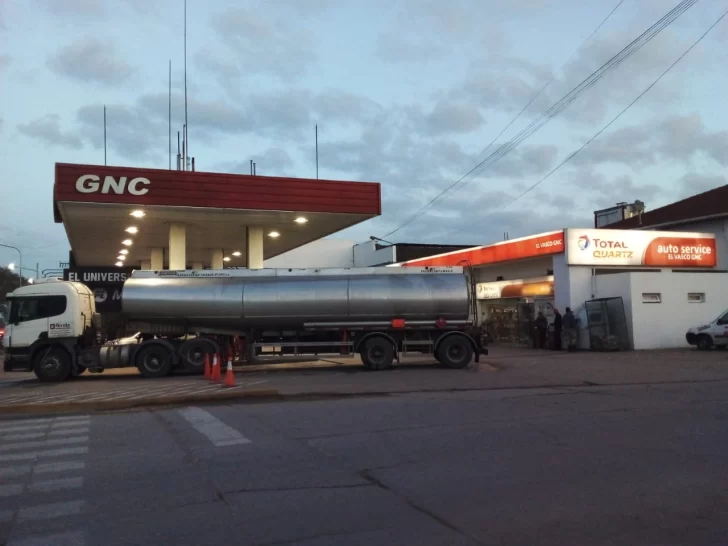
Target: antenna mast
170 114
186 135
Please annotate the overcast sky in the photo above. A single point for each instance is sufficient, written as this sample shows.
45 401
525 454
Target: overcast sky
406 92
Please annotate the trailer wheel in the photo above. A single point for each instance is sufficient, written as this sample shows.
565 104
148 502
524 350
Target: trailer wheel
377 353
705 342
154 361
192 354
52 365
455 352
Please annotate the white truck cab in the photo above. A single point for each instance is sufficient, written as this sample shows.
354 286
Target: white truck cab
713 334
45 322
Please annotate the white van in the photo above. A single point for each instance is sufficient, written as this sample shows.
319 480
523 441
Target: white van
710 335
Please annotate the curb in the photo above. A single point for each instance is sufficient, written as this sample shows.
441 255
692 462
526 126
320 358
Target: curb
109 405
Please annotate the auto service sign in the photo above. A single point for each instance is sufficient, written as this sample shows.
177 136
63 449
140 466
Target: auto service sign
615 247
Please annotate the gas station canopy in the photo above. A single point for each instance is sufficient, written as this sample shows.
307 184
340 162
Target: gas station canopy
156 219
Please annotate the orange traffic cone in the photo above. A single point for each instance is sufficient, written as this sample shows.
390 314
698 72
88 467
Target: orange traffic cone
215 374
207 366
229 375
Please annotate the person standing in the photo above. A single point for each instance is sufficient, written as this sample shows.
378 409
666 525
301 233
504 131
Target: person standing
569 324
542 325
558 328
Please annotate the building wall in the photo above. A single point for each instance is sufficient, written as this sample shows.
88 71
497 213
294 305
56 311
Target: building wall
321 253
617 285
368 255
719 227
663 325
524 269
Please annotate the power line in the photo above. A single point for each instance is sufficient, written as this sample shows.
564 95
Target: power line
596 135
560 105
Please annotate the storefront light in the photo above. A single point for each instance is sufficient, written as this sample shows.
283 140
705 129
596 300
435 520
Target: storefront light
301 220
132 229
138 213
121 257
274 234
119 264
237 253
123 251
127 242
226 259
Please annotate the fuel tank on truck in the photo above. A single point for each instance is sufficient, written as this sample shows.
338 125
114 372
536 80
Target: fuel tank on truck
296 298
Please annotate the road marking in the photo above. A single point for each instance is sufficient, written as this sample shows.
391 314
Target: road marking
71 418
63 466
12 471
45 443
26 436
11 490
69 431
70 424
30 455
216 431
22 422
47 486
64 538
52 510
24 429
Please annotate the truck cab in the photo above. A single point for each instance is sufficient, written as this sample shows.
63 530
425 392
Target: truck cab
713 334
46 322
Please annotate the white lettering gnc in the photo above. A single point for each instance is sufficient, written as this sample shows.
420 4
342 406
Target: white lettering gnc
89 183
91 187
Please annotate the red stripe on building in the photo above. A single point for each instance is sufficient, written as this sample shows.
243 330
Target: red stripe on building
216 190
518 249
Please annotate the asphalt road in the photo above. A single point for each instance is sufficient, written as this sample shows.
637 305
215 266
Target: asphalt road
633 465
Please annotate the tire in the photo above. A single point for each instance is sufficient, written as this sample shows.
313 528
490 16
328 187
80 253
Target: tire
455 352
77 370
377 353
192 354
704 342
154 360
52 365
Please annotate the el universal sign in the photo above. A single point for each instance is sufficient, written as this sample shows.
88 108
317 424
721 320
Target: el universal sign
615 247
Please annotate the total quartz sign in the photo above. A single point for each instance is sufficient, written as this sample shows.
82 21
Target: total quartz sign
615 247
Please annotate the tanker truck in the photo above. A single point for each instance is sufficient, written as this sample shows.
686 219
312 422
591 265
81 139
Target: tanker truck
178 318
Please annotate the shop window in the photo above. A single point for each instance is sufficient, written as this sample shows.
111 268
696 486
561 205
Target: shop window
696 297
651 297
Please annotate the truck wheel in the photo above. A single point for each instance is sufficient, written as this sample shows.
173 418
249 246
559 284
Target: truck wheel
154 361
455 352
52 365
704 342
192 354
377 353
77 370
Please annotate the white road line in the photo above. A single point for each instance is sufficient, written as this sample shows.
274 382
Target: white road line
30 455
64 538
71 418
44 443
63 466
24 436
12 471
215 430
69 424
52 510
47 486
24 429
11 490
69 431
16 423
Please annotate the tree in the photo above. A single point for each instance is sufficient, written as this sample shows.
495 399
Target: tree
8 282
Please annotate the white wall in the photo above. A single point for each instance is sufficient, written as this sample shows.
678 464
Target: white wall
719 227
367 255
524 269
319 253
663 325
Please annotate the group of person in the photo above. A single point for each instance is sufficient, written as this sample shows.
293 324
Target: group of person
564 330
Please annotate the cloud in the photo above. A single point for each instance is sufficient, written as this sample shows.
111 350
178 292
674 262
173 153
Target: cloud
272 162
86 8
264 44
48 130
454 117
90 60
694 183
677 138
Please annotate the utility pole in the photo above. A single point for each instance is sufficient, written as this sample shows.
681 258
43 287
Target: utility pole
317 175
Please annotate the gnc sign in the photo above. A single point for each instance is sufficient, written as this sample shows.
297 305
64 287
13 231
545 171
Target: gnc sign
640 248
90 183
